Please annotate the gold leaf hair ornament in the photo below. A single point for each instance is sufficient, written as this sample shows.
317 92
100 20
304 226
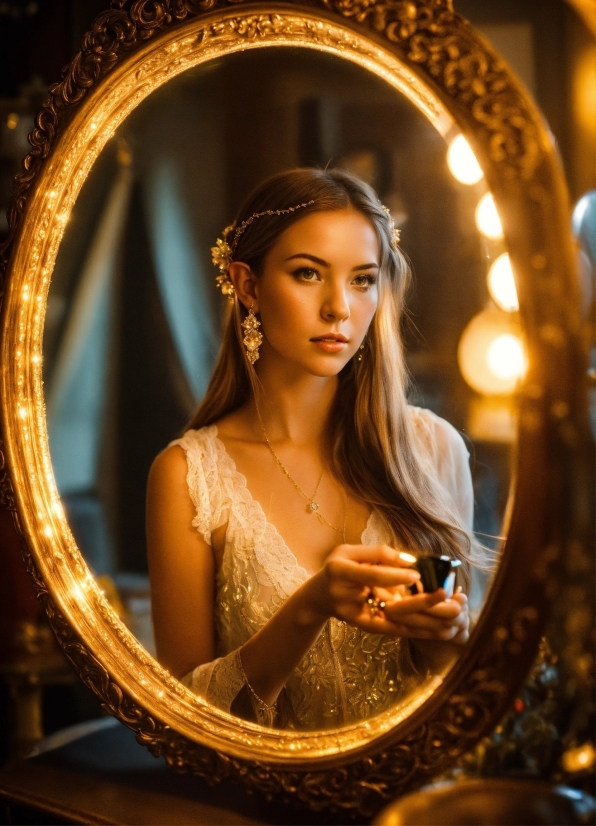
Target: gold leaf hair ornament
395 233
222 254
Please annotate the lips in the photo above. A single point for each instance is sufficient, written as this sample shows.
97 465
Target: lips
331 342
336 337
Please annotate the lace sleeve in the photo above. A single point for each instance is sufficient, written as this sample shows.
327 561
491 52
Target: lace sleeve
223 683
202 480
451 461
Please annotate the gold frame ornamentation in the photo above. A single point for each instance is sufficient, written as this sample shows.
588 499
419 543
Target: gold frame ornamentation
427 51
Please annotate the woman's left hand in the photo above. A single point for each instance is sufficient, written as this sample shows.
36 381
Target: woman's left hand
447 621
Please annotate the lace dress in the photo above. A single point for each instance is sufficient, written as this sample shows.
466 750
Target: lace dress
348 674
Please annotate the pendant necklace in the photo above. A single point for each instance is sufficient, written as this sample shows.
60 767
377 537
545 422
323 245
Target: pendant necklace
313 505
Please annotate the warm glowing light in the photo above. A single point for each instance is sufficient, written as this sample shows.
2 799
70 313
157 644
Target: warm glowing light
22 412
491 355
12 121
501 284
584 91
505 357
487 218
462 162
579 758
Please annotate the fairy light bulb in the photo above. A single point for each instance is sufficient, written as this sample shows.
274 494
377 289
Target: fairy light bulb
505 357
462 162
491 355
487 218
501 284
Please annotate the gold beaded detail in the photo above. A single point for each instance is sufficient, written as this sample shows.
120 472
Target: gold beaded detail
252 338
222 253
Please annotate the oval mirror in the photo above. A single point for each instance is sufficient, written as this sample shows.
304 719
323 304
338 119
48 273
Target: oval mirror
119 219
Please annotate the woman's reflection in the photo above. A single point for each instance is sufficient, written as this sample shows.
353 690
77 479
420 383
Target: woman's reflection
283 525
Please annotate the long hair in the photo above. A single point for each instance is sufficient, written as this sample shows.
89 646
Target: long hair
372 447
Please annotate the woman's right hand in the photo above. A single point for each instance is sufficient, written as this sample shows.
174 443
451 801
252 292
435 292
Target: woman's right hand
340 589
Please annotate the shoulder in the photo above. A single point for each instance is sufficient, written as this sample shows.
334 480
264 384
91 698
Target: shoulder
437 433
167 474
171 465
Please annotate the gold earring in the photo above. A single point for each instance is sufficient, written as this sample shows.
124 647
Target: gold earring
252 337
360 349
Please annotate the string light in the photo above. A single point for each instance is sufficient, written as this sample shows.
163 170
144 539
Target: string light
462 162
487 218
491 356
501 284
505 357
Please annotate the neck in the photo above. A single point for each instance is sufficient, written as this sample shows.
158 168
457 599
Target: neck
293 406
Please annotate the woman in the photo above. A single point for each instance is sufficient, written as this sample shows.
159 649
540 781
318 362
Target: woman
283 525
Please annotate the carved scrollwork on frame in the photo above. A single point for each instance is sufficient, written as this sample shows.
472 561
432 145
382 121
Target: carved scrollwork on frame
438 40
432 36
433 48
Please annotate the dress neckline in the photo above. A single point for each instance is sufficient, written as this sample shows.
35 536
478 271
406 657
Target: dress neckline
240 478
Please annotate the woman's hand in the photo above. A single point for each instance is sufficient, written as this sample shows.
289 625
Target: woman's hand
446 621
342 586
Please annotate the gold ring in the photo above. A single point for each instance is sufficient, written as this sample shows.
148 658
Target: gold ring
375 604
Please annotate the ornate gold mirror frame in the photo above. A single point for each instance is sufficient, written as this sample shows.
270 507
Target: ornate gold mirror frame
429 53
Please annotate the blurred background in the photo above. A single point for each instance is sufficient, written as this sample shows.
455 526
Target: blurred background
133 318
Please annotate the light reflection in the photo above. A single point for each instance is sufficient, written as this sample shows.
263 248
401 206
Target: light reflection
487 218
491 356
505 357
501 284
462 162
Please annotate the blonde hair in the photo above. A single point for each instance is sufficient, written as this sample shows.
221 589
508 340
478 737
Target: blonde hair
372 447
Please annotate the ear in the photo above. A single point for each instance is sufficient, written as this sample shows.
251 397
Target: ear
245 284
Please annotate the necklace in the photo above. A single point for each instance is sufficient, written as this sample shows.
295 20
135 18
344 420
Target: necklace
313 505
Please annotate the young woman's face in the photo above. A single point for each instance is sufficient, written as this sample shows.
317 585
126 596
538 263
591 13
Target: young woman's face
318 291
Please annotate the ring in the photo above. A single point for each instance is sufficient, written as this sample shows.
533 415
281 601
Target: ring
375 604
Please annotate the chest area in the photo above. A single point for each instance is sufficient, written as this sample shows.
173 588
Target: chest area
304 513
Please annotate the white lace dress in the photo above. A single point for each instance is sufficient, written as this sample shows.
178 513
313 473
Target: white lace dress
348 674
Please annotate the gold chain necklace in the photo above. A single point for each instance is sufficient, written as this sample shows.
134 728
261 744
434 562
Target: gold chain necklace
313 506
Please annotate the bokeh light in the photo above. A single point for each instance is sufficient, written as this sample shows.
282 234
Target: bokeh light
491 355
487 218
505 357
501 284
462 162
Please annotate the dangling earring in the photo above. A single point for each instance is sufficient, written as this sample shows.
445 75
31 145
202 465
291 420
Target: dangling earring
360 349
252 338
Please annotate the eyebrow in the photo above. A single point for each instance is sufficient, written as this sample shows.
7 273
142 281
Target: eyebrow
324 263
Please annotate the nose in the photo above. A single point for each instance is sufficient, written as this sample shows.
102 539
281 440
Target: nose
335 304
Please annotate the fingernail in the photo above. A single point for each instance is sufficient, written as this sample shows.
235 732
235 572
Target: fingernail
459 589
405 557
413 575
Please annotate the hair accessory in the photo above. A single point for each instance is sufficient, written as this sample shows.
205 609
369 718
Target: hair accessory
222 253
252 338
221 256
395 233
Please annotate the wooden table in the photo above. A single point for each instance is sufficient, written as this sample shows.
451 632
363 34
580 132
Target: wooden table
97 773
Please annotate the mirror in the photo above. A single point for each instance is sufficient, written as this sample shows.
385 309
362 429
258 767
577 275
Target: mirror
134 319
437 61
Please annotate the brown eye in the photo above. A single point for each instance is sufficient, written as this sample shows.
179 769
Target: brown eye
365 281
306 274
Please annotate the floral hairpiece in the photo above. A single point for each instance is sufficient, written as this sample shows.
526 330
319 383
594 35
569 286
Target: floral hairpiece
395 233
222 253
